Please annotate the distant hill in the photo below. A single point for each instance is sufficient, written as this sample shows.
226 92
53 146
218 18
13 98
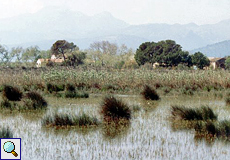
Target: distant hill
50 24
220 49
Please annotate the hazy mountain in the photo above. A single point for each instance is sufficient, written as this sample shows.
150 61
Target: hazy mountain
50 24
220 49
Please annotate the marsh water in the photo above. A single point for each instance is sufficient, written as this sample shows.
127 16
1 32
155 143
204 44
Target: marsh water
148 136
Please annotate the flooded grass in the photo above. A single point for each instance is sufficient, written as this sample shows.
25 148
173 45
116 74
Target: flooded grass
148 135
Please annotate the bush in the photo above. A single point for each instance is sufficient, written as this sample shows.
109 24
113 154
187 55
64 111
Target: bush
113 109
69 120
7 104
69 94
34 100
227 101
55 88
150 94
203 113
6 133
11 93
70 87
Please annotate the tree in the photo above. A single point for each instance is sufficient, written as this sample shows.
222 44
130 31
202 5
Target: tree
200 60
227 63
76 58
166 53
17 53
62 47
4 54
103 51
31 54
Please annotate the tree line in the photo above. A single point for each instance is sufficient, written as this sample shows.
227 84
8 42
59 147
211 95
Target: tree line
166 53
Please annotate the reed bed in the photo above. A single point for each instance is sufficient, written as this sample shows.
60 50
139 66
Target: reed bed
119 80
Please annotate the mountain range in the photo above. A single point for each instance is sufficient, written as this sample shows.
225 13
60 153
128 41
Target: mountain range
46 26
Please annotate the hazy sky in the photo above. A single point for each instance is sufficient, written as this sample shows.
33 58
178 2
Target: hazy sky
132 11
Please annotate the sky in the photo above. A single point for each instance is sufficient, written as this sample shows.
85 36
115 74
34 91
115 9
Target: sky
131 11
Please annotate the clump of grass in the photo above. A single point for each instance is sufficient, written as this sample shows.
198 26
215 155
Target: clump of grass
69 120
203 113
212 129
6 133
72 93
11 93
149 93
34 100
227 101
114 109
6 104
55 88
69 94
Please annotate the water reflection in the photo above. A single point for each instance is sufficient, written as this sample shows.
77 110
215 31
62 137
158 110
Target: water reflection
149 106
114 129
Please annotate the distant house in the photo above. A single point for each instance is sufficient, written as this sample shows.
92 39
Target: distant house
52 59
217 62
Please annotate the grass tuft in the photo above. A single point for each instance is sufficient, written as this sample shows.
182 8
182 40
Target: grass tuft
150 94
227 101
203 113
34 100
6 133
114 109
69 120
11 93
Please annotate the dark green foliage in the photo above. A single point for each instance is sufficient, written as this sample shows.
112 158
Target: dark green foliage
11 93
61 47
34 100
75 59
55 88
6 133
114 109
227 63
70 87
72 93
166 53
7 104
227 101
149 93
69 120
200 60
203 113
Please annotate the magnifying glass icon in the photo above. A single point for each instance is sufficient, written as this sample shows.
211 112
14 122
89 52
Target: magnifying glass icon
9 147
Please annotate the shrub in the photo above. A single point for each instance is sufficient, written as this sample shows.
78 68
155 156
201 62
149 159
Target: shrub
34 100
114 109
55 88
6 133
203 113
227 101
70 87
149 93
69 120
69 94
11 93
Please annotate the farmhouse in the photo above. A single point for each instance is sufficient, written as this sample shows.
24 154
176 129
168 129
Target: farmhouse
217 62
52 59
